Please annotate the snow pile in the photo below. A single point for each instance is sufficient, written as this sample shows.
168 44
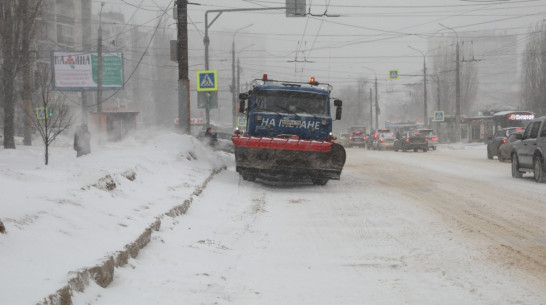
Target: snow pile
76 218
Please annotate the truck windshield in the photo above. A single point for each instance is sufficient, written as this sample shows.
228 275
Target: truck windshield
282 101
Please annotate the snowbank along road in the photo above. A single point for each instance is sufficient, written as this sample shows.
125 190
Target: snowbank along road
443 227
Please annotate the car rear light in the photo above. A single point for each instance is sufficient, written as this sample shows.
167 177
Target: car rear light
426 139
381 140
350 138
434 139
364 138
407 139
503 141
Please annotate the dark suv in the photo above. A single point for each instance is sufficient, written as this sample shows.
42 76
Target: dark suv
494 142
411 140
529 150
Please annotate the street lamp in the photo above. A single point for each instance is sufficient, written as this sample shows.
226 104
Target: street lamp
233 89
376 102
425 117
457 87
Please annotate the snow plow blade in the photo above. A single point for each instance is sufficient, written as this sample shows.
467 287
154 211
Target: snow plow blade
288 159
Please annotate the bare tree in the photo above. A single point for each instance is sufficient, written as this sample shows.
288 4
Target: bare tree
17 20
533 86
50 114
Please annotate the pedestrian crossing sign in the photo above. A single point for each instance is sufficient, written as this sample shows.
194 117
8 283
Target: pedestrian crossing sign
393 74
207 81
438 116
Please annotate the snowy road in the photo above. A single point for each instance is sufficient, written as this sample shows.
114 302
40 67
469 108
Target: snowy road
443 227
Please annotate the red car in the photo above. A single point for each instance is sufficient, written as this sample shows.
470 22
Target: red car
357 137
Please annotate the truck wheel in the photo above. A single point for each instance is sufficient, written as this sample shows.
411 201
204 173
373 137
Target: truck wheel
425 149
515 167
539 172
415 149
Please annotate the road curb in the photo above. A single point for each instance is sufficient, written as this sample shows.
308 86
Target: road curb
103 273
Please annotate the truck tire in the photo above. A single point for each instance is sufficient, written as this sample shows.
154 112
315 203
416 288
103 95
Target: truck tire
538 168
515 167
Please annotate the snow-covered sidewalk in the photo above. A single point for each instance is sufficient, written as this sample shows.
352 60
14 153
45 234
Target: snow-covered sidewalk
73 220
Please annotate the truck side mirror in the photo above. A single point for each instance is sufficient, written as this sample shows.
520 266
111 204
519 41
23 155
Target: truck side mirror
338 113
242 98
338 104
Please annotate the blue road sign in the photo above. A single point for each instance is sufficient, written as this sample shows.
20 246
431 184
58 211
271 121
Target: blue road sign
438 116
207 81
393 74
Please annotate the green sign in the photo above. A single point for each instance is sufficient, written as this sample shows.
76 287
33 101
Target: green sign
42 113
112 75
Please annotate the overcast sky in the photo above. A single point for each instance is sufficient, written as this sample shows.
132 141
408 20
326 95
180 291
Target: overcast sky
340 41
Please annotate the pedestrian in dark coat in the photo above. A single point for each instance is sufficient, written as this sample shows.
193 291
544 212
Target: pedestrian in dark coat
82 141
210 137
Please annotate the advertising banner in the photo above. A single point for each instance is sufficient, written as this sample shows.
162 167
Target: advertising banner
77 71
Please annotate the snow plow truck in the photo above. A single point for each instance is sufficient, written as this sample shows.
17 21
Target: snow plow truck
288 133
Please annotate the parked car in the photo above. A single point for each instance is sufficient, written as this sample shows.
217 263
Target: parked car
385 140
506 146
224 142
495 141
529 151
432 137
357 137
411 140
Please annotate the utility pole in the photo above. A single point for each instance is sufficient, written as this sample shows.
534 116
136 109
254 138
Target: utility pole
206 39
458 93
425 117
99 65
457 88
233 90
238 86
377 110
27 70
182 57
371 110
86 46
